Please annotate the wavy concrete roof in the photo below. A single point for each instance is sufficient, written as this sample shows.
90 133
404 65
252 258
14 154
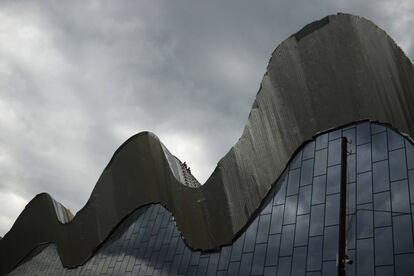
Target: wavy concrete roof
334 71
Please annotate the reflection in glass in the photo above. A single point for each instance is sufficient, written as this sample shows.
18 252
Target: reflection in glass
294 232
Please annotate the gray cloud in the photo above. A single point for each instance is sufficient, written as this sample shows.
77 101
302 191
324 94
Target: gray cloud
78 79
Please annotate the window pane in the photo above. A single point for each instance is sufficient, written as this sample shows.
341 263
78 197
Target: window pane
363 158
364 188
320 162
299 261
306 172
330 243
305 194
290 209
365 257
379 147
286 244
380 176
363 133
400 197
318 193
293 182
333 179
398 165
315 253
403 236
317 220
383 246
302 227
395 140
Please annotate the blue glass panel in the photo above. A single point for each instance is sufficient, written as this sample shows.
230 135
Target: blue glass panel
333 179
363 133
379 147
224 258
382 207
259 259
380 176
299 261
315 253
383 246
250 237
395 140
296 162
319 186
302 229
400 197
272 253
246 264
233 269
317 220
263 229
365 222
306 172
270 271
276 220
320 162
195 258
398 165
365 257
281 193
351 167
192 271
376 128
308 150
384 270
330 243
185 261
329 268
284 266
237 248
305 194
293 182
332 210
314 273
363 158
404 265
202 266
321 141
290 209
213 263
334 152
403 235
286 243
350 268
364 188
335 134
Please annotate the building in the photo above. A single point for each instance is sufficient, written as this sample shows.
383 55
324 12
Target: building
272 205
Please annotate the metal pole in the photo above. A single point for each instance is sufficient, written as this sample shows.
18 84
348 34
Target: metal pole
342 210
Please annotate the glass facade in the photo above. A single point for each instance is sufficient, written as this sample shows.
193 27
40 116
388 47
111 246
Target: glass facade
295 231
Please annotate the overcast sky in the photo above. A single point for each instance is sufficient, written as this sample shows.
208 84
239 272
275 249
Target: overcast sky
77 78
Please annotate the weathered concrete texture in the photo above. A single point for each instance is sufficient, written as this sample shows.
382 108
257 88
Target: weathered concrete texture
338 70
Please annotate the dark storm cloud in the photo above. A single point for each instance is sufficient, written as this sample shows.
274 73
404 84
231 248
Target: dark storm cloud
77 79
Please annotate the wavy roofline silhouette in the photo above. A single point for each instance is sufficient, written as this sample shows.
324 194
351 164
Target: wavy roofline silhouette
335 71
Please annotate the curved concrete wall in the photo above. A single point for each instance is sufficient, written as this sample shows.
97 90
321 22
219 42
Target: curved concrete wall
335 71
